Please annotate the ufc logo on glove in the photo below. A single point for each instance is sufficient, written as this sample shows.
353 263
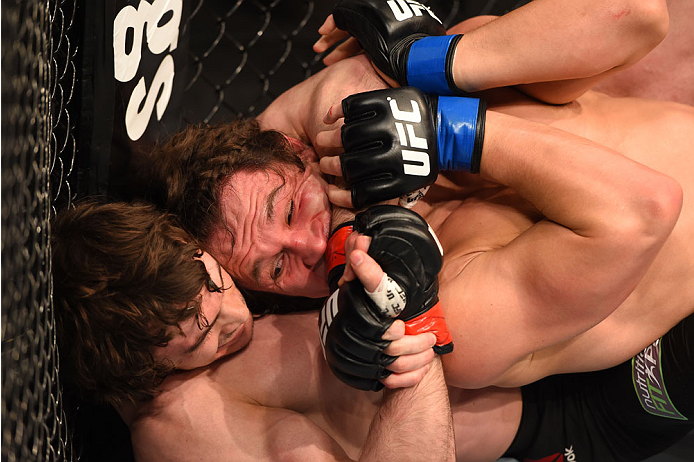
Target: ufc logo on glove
419 160
403 9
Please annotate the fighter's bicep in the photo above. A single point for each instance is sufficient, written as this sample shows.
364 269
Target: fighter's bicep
504 304
485 311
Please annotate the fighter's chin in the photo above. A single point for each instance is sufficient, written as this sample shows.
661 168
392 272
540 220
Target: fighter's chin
320 273
316 285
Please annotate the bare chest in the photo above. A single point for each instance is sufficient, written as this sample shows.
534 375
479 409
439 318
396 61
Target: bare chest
484 220
284 368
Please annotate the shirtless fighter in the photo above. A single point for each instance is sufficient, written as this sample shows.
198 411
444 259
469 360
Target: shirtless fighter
139 309
462 136
591 116
609 227
626 402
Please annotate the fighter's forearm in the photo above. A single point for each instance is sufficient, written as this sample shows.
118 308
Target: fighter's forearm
413 424
300 111
614 214
565 45
572 180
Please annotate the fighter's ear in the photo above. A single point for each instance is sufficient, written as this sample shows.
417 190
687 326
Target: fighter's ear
303 150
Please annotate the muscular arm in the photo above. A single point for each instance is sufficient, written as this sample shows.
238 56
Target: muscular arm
567 46
299 111
207 418
605 219
554 50
389 438
623 334
412 424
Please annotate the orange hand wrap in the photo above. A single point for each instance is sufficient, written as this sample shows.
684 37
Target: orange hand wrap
335 254
433 320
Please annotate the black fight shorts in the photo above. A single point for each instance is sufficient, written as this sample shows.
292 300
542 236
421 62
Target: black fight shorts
627 413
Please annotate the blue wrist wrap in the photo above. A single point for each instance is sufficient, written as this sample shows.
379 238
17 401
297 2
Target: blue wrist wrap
456 121
429 64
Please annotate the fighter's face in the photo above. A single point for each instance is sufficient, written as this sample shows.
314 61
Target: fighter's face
275 230
226 328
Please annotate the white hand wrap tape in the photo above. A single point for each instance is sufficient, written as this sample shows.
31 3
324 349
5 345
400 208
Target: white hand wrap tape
389 297
410 199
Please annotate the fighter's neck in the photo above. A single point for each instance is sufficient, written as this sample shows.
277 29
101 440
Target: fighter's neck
127 412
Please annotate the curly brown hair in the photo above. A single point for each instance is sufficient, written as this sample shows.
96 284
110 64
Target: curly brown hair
123 276
193 165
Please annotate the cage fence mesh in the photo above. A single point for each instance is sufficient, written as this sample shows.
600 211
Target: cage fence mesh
242 54
266 48
36 90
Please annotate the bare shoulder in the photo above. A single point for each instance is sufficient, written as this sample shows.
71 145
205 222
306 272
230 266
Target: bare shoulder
201 419
299 110
659 134
186 421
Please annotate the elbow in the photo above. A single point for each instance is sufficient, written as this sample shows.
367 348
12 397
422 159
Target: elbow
470 371
655 212
665 204
648 22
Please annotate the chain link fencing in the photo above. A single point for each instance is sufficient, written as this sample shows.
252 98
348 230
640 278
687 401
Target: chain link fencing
38 150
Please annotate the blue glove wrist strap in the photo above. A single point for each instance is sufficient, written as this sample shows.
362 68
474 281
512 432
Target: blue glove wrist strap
456 121
429 64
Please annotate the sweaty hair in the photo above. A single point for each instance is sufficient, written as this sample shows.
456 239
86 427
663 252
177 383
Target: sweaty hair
195 164
125 277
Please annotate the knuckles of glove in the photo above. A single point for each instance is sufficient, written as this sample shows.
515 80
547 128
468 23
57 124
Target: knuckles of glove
407 251
353 345
386 30
390 144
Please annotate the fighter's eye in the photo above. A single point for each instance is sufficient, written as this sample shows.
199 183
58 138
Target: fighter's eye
291 212
277 270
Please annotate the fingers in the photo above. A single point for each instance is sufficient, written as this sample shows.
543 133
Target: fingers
350 47
334 114
410 345
411 363
414 355
340 197
354 242
328 142
331 166
366 269
331 35
328 25
407 379
396 331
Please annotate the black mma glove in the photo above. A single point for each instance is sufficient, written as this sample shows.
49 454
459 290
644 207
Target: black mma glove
404 39
351 327
395 140
409 252
351 322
